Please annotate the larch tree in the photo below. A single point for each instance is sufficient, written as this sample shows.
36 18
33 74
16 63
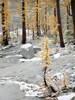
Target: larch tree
37 16
22 11
73 14
23 22
33 24
44 55
60 24
5 20
35 4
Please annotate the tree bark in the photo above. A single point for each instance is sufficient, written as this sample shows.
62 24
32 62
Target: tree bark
23 23
73 14
45 77
46 19
5 32
60 24
37 19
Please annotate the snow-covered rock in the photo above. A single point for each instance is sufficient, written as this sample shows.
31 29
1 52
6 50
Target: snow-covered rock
27 51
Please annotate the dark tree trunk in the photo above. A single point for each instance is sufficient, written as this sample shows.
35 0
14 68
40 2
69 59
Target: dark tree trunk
46 19
5 32
28 28
33 31
60 24
73 14
23 23
55 14
67 18
50 88
45 76
37 19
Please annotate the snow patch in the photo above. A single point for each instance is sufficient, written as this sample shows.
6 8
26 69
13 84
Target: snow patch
27 60
13 56
29 89
66 97
26 46
57 55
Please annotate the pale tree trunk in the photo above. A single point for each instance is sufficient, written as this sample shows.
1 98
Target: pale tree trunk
60 24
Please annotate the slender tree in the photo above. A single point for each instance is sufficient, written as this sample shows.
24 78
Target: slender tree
37 18
73 14
60 24
23 23
5 21
46 18
44 55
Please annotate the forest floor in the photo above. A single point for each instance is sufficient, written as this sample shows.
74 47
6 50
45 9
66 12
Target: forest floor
21 78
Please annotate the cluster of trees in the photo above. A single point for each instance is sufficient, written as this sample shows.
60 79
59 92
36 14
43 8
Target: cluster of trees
37 15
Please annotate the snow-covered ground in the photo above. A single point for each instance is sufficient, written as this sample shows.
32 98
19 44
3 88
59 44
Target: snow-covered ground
32 90
27 74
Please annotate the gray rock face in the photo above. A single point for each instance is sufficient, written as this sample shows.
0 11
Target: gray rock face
27 51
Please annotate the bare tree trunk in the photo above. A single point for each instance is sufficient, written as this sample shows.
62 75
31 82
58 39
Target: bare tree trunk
28 28
23 23
32 31
73 14
60 24
37 19
55 14
45 77
46 19
50 88
68 18
5 32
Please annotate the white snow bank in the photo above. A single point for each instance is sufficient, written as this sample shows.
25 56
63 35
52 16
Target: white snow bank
13 56
27 60
56 55
28 89
66 97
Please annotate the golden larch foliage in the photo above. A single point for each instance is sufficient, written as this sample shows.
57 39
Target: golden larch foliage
44 55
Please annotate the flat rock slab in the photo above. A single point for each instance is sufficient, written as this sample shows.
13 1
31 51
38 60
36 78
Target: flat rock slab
10 92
